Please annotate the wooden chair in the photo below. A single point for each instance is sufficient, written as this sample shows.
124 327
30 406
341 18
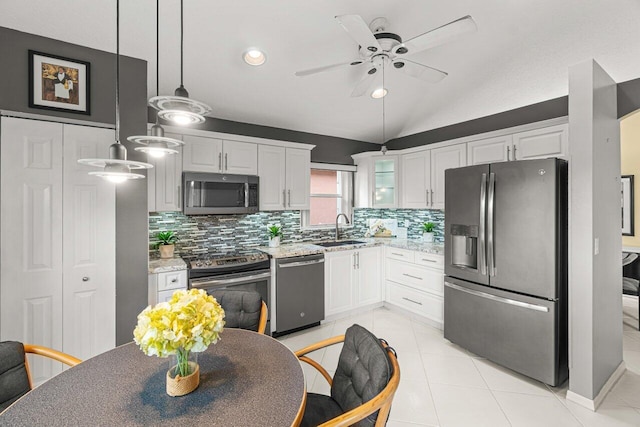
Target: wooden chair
243 309
14 367
321 411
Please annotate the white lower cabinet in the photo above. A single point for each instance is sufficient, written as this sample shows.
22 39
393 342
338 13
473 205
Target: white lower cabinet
416 283
353 279
163 285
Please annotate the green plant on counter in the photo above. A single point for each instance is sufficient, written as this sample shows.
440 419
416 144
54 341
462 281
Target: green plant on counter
274 230
166 238
428 227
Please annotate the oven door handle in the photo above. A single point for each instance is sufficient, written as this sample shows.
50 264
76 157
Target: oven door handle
203 283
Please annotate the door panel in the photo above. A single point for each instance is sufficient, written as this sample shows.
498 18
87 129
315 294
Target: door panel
490 150
31 232
442 159
552 141
369 272
525 231
272 173
338 276
240 158
202 154
416 179
298 178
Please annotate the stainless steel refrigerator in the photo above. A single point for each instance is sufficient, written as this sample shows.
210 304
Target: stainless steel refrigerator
505 294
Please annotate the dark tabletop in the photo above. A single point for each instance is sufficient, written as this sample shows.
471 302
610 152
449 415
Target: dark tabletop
245 379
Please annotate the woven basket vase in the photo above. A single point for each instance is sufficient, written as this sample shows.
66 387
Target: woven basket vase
179 386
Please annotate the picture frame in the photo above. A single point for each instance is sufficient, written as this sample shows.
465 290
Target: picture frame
626 201
59 83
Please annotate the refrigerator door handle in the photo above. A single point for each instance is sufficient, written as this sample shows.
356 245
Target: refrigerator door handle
481 231
498 299
490 219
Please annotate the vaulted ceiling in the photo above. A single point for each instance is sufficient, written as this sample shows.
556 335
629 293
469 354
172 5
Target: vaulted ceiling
519 55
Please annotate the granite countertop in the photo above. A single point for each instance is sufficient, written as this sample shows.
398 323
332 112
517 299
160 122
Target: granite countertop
164 265
288 250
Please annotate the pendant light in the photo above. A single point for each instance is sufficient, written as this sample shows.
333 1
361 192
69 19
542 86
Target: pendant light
179 109
156 144
116 168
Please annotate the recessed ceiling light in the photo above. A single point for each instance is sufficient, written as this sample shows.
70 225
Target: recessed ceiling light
254 56
379 93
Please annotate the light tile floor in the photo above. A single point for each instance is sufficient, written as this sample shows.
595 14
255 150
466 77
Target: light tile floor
444 385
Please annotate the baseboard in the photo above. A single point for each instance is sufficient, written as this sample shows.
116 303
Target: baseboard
413 316
606 388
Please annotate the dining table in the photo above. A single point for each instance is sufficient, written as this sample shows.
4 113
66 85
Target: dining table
246 379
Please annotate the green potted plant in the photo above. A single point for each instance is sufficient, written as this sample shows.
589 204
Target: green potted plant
427 231
166 243
275 233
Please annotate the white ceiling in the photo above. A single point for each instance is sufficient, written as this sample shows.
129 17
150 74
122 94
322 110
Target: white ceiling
519 56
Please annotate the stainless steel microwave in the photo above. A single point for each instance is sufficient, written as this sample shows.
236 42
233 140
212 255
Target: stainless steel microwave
217 193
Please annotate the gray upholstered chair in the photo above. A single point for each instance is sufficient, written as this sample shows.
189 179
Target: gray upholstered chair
15 378
242 309
363 386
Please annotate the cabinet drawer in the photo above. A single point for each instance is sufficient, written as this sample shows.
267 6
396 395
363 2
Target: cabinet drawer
422 303
424 279
429 260
400 254
164 296
172 280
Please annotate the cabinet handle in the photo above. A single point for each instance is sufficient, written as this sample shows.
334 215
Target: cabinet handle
226 161
508 151
174 280
514 152
284 198
85 279
413 277
427 191
373 198
354 260
178 190
431 198
220 161
428 260
396 254
358 258
289 192
410 300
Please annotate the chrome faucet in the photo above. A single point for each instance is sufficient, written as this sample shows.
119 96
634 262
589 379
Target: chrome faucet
337 218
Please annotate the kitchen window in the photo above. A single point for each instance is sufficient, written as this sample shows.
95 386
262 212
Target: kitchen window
331 194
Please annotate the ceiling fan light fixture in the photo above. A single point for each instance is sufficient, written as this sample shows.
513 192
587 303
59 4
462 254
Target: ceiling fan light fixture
380 92
254 56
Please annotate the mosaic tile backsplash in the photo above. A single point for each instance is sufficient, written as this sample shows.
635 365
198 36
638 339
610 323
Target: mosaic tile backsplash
237 233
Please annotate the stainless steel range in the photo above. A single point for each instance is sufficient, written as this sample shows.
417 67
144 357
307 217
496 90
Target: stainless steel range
241 271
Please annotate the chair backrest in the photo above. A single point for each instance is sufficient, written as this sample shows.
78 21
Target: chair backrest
242 309
14 379
364 371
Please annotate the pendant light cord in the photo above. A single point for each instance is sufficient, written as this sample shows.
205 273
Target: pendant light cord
383 97
118 71
181 42
157 53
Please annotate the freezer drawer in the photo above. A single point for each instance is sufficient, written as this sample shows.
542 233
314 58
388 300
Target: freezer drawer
518 332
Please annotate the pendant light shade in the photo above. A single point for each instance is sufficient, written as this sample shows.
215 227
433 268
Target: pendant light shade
180 109
116 168
157 145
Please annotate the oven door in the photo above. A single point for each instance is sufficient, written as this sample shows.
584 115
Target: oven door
258 281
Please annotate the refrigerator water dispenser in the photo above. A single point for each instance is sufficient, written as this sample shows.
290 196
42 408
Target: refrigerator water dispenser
464 245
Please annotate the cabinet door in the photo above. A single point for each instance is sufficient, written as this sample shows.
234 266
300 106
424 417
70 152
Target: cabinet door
240 158
31 236
338 279
369 276
363 193
444 158
384 182
416 179
88 246
552 141
202 154
490 150
298 178
272 173
167 181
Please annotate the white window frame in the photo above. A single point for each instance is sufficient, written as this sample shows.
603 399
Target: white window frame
305 214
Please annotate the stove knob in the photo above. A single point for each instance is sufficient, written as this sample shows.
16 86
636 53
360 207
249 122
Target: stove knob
198 264
208 262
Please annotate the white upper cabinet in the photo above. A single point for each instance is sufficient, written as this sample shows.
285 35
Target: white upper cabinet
490 150
203 154
552 141
285 175
165 181
415 172
453 156
377 181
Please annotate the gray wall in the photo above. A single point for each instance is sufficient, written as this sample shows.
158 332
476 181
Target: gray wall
131 198
329 149
595 306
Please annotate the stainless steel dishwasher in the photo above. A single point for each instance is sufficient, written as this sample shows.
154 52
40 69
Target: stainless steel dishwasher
299 292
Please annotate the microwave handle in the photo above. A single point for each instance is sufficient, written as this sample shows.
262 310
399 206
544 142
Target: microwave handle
246 194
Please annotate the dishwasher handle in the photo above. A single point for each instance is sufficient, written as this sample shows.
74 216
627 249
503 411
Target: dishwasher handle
208 282
301 263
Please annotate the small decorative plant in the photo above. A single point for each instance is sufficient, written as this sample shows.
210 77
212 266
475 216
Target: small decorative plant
274 230
166 238
428 227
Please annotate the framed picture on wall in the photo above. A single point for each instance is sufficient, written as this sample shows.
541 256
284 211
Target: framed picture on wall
627 204
58 83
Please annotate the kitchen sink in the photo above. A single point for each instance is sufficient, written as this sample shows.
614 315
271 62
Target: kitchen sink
340 243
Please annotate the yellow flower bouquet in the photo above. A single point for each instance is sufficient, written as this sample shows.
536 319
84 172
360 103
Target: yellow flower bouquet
190 321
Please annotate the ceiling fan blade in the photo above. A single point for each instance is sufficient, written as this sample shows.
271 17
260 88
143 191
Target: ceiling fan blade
419 71
437 37
326 68
360 32
365 82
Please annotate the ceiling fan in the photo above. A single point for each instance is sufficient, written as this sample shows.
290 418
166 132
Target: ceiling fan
378 48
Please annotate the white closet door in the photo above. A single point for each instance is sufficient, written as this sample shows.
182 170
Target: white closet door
31 232
88 246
